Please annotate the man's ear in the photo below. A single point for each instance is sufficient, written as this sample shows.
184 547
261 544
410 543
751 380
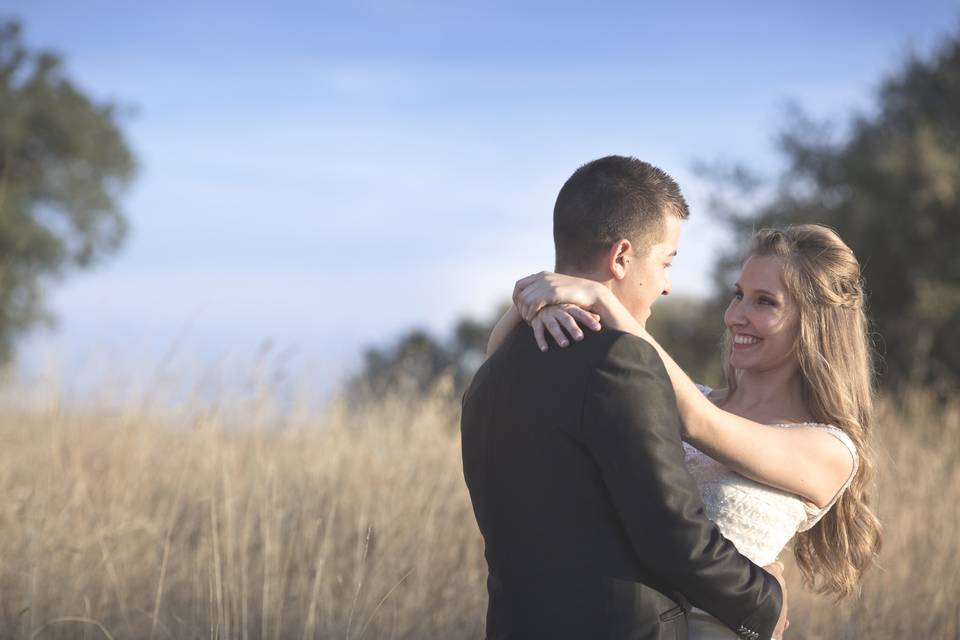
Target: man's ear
619 258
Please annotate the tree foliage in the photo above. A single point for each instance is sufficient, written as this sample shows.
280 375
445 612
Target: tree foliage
417 360
891 188
63 165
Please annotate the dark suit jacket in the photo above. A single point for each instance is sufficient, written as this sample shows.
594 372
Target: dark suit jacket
593 527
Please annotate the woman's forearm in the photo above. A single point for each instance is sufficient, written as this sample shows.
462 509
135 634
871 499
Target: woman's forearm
504 326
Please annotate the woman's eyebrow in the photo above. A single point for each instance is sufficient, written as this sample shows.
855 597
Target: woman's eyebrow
763 291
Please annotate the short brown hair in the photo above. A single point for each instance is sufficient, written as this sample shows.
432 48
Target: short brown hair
607 200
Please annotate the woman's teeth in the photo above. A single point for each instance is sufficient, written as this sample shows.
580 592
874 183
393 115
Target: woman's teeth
741 339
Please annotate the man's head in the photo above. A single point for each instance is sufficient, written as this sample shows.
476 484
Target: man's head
617 221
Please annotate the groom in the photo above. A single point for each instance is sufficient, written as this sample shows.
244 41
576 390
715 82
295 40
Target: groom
592 526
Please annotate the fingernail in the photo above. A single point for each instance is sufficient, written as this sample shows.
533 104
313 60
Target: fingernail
543 348
578 336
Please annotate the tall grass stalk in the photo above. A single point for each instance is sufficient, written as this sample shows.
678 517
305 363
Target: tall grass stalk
352 523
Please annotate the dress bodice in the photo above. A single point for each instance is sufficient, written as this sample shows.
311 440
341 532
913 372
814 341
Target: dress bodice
757 518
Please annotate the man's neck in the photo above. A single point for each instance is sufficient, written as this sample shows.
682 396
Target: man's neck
607 281
596 276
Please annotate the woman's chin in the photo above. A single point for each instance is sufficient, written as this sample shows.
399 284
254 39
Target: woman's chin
742 362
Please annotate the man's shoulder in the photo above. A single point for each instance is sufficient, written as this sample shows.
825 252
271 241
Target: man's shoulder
619 346
596 348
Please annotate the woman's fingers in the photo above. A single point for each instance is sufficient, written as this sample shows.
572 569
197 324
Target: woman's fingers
537 325
536 291
532 301
561 321
522 284
568 322
585 317
524 307
554 328
533 293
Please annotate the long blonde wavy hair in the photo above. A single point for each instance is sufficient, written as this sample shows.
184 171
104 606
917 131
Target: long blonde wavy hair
833 348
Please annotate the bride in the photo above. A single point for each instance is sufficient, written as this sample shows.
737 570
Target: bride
784 451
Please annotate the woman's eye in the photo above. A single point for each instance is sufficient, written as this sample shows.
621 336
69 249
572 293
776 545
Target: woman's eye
737 295
767 300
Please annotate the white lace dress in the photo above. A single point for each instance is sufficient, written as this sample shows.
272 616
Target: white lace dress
758 519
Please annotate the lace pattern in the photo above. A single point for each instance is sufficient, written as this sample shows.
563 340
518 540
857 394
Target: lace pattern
759 520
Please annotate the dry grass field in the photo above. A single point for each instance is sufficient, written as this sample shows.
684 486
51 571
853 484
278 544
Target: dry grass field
229 521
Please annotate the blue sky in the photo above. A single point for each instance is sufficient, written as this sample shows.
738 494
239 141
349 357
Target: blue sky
328 175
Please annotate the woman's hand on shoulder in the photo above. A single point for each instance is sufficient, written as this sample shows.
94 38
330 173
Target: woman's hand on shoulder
561 320
533 293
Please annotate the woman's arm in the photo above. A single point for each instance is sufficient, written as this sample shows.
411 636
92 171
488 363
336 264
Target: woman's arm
805 461
504 325
802 460
568 321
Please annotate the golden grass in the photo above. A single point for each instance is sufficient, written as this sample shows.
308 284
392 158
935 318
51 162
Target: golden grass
147 523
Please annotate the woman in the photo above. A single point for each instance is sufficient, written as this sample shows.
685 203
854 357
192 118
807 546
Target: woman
783 453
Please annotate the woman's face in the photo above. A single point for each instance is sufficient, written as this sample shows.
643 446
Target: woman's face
763 320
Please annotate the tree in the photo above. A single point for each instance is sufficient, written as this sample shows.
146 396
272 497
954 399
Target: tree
63 166
417 360
891 188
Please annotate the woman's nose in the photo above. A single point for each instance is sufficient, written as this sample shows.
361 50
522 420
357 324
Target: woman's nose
736 316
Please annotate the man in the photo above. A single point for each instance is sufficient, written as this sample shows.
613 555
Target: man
592 526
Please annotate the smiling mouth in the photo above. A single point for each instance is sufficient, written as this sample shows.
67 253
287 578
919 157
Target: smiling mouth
745 342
